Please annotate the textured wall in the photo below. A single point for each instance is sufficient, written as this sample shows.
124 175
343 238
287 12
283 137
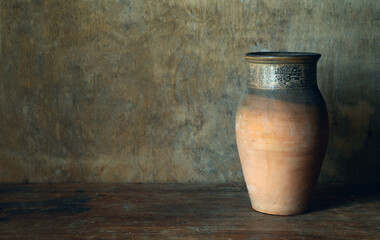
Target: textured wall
142 91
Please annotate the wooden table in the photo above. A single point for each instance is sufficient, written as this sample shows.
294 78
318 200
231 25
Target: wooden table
178 211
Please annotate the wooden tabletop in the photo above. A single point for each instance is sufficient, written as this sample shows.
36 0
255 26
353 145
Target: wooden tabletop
179 211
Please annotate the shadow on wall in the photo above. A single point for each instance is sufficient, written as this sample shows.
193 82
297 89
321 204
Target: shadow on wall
354 142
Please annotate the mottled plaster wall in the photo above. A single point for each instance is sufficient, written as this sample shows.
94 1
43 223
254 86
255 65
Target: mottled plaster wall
146 91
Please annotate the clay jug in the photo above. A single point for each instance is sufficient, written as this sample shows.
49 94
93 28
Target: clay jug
281 131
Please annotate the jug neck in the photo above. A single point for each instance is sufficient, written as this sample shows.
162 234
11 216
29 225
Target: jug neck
282 70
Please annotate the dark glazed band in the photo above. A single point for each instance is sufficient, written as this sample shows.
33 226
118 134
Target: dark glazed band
282 76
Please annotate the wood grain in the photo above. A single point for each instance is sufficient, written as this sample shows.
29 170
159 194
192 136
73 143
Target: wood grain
179 211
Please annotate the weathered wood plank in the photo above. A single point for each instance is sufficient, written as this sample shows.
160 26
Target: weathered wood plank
178 211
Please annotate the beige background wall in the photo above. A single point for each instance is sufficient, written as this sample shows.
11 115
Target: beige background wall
146 91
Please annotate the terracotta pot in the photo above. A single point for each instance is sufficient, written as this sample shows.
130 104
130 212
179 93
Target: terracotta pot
281 131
